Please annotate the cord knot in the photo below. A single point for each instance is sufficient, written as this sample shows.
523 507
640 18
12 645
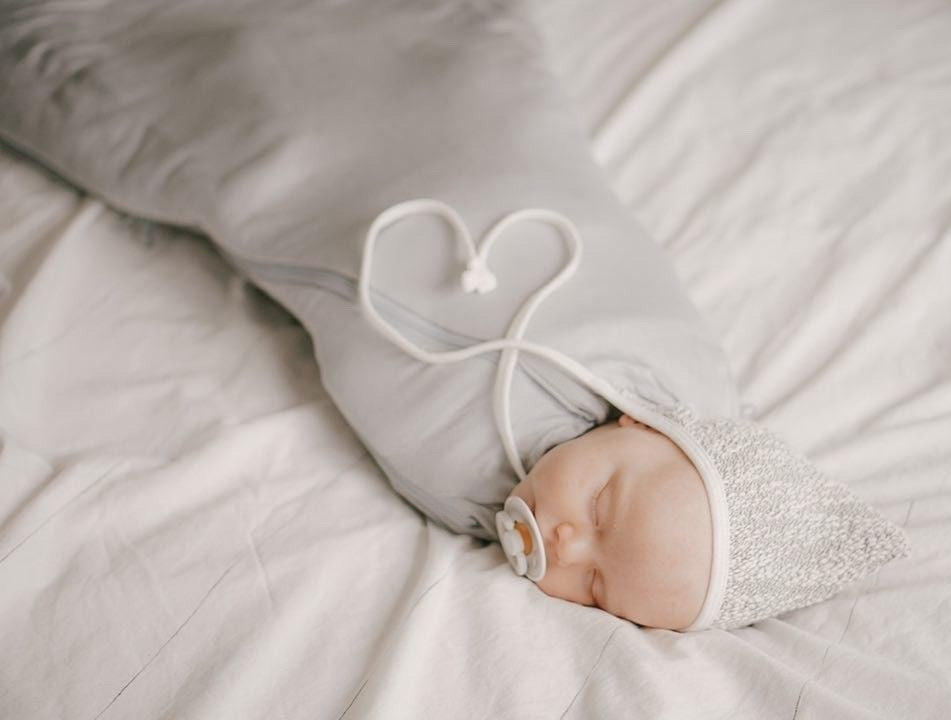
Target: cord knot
478 278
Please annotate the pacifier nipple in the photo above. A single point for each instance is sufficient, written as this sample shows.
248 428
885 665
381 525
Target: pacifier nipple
526 536
521 539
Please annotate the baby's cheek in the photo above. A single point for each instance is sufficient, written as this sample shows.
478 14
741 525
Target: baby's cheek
522 491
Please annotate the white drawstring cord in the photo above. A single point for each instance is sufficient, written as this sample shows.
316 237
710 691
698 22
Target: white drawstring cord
478 278
501 397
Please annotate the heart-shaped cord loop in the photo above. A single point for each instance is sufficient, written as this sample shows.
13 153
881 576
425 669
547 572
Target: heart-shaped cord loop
501 397
478 278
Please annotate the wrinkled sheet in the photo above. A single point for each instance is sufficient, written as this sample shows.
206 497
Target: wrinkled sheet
189 529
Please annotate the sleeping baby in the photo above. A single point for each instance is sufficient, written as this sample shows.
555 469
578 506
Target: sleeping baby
657 514
628 524
589 386
625 524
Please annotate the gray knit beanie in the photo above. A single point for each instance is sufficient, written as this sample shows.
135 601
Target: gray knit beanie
785 535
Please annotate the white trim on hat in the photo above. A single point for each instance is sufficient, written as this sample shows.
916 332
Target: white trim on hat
716 498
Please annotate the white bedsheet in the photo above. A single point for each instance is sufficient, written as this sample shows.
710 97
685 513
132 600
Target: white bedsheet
188 529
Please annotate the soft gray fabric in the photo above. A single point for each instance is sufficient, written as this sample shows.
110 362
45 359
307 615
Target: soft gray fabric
282 129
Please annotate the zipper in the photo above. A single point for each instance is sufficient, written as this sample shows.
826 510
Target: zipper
346 288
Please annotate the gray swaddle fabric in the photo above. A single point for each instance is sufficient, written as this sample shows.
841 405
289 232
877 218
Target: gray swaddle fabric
282 129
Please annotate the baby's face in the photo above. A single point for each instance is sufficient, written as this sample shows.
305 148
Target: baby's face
626 524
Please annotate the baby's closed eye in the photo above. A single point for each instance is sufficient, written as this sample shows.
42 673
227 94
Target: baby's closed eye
596 588
599 505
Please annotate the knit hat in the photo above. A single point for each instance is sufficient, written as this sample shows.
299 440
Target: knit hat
785 535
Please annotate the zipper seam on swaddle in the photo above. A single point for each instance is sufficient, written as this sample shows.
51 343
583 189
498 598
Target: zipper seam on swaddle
345 288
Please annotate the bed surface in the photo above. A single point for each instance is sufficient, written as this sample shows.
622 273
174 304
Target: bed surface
189 529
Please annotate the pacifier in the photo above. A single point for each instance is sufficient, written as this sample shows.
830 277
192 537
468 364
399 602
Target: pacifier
521 539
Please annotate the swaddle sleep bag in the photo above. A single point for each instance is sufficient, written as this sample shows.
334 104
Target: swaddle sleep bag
283 129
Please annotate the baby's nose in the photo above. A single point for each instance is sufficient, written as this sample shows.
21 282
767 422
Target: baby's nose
570 546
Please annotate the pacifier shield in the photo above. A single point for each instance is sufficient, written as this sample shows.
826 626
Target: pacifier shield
521 539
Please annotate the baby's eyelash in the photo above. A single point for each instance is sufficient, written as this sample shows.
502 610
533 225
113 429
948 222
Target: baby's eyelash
594 576
595 520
